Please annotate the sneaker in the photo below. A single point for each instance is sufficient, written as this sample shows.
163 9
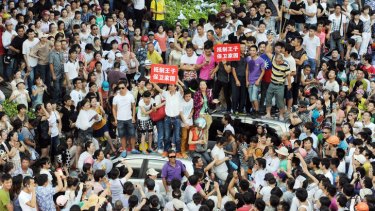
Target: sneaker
165 154
179 155
160 151
123 154
145 152
134 151
266 117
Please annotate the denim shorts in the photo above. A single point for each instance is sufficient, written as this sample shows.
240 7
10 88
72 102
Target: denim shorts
125 129
253 92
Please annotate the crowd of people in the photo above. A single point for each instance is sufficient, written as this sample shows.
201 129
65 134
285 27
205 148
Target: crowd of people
77 101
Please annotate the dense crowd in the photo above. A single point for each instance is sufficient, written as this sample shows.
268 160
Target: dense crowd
78 107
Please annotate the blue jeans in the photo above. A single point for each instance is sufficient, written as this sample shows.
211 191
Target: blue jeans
312 63
9 70
57 89
55 142
45 74
253 92
160 128
336 44
172 123
30 79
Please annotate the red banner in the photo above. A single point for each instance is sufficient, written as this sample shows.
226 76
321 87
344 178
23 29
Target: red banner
227 52
165 74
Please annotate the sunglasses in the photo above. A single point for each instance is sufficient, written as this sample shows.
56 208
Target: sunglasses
325 132
172 156
122 87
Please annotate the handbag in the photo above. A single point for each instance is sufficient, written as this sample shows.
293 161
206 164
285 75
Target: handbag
336 35
159 114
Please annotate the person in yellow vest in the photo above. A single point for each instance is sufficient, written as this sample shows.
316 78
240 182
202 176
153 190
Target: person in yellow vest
158 11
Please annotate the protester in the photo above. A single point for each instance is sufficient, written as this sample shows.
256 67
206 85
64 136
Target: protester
92 119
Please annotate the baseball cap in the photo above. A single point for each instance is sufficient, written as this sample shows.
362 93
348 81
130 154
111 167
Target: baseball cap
8 22
362 206
144 38
44 35
118 54
105 86
360 158
270 32
61 200
247 31
152 172
334 140
178 204
151 33
170 40
20 81
303 103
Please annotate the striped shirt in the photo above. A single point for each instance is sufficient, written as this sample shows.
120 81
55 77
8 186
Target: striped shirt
279 72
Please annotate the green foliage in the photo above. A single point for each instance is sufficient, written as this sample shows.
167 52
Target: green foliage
10 109
191 9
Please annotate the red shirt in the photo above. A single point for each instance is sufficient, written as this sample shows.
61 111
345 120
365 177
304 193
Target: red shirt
245 208
2 50
369 70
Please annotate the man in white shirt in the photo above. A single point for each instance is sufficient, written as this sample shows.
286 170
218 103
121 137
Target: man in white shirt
31 62
199 39
123 110
27 197
71 68
173 111
109 33
187 64
311 44
220 168
76 94
338 23
8 34
293 71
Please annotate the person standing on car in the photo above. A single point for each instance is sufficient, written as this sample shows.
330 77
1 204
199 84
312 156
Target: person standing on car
173 169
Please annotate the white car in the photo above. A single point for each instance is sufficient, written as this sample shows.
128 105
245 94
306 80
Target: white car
140 163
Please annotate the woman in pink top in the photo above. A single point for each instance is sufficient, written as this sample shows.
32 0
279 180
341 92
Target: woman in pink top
162 37
206 64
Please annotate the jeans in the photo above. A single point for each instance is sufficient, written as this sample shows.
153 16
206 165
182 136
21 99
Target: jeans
263 93
45 74
238 94
55 142
312 63
2 64
172 123
57 89
336 44
30 79
220 85
160 128
9 70
253 92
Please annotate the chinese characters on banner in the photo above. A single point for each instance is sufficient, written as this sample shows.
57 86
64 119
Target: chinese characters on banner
165 74
227 52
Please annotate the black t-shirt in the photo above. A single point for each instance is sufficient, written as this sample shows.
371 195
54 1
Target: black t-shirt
240 67
289 37
253 20
17 44
222 75
67 116
297 7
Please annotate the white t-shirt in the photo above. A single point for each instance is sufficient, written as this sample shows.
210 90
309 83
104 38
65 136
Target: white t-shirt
139 4
332 86
310 45
311 9
172 103
219 152
82 159
261 37
76 96
329 176
199 41
370 126
71 68
124 106
106 31
292 65
23 199
141 103
26 48
266 193
53 117
189 192
335 21
187 107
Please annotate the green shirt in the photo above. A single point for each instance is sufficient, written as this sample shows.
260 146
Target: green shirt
4 199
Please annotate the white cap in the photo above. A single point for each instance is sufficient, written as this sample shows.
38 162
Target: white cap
148 62
118 54
360 158
152 172
247 31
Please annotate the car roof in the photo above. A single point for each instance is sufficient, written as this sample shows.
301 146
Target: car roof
246 117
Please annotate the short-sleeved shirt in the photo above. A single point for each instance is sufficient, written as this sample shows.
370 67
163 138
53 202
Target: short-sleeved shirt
158 6
206 69
57 60
154 57
172 103
44 198
297 6
4 199
169 172
267 68
279 72
186 60
255 68
124 106
240 67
